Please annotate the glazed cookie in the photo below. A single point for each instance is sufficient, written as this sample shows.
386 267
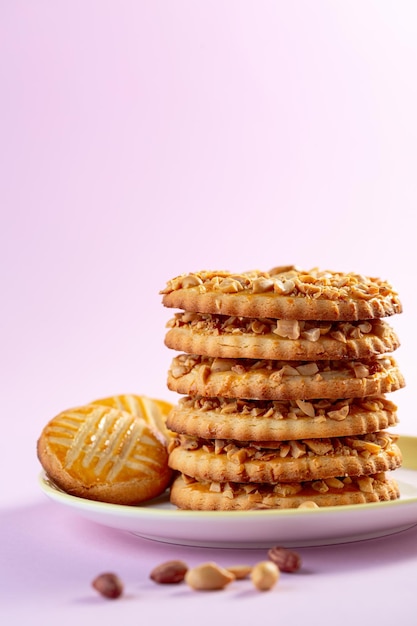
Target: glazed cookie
153 411
283 293
102 453
267 338
283 380
187 493
223 460
257 420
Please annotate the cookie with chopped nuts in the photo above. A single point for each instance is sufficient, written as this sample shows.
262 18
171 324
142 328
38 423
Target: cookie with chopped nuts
296 460
103 453
283 380
278 420
283 293
267 338
187 493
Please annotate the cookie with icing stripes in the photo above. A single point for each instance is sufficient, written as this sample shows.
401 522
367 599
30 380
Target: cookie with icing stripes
153 410
103 453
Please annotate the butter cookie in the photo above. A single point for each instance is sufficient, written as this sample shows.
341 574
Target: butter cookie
261 338
284 461
278 420
283 293
187 493
103 453
283 380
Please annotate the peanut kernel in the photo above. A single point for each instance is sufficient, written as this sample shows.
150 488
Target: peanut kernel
208 577
108 585
170 572
265 575
286 560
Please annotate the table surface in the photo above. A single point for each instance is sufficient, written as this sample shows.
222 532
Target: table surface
50 555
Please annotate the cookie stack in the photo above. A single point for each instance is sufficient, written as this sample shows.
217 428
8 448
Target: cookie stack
283 376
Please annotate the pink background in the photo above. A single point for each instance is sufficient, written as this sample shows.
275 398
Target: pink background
141 140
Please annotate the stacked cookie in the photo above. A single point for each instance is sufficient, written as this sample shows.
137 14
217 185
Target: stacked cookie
283 376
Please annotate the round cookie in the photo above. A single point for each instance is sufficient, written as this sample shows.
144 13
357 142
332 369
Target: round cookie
283 293
253 338
286 461
283 380
204 496
153 411
257 420
102 453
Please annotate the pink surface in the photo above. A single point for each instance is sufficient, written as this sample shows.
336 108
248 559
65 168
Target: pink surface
140 140
49 575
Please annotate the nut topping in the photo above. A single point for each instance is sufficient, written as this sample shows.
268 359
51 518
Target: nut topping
288 328
239 452
306 407
314 283
311 331
309 504
261 285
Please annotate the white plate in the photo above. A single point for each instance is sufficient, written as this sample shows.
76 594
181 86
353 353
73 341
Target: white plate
160 521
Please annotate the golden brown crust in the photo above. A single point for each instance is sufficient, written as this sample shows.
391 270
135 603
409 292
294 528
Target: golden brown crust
102 453
284 374
153 411
287 461
283 380
231 337
255 420
283 293
243 497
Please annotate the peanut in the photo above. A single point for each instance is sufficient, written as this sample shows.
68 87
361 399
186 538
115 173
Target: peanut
208 577
168 573
309 504
240 571
265 575
108 585
286 560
